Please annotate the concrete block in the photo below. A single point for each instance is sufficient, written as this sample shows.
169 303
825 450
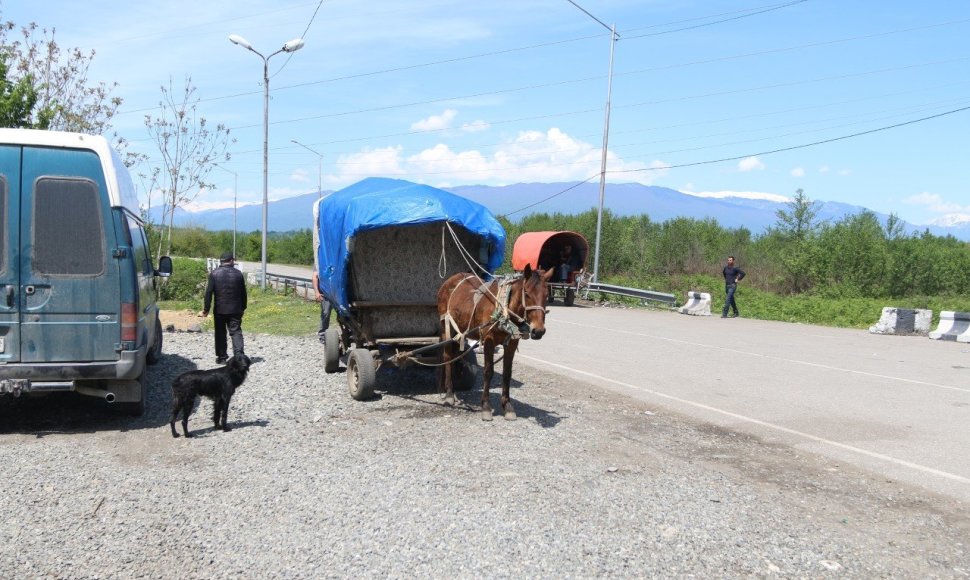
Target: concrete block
953 326
903 321
698 304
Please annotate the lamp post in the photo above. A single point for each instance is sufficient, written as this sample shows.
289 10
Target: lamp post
319 167
606 139
291 46
235 193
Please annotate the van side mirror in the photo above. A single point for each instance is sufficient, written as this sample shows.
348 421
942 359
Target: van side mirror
164 267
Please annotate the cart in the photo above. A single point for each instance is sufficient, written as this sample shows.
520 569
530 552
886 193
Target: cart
383 247
542 250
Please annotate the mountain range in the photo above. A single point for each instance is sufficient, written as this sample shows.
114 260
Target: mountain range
521 199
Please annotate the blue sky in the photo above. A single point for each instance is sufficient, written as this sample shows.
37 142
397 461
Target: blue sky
454 92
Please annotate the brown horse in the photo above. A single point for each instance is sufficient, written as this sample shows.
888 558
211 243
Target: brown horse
500 312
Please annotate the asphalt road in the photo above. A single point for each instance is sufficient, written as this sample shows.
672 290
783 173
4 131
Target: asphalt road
894 405
897 406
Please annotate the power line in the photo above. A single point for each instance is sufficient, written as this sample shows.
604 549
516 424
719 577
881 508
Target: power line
303 36
802 146
777 7
544 200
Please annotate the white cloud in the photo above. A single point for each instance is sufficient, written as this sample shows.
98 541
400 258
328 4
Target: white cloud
435 122
845 172
299 176
798 172
935 203
531 156
742 194
750 164
824 169
475 126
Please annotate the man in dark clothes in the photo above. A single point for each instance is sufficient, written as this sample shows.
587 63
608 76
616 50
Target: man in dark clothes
227 286
732 275
325 309
568 262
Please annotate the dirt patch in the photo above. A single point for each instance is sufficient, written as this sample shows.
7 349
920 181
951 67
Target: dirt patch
182 320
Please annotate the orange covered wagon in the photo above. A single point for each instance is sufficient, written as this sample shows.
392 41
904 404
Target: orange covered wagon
565 252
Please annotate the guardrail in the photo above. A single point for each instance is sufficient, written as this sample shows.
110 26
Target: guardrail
663 297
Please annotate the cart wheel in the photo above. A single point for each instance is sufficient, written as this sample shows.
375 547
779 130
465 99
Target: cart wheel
570 296
466 373
361 374
331 350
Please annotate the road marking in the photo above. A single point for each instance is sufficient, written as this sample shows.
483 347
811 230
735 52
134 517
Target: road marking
770 357
810 437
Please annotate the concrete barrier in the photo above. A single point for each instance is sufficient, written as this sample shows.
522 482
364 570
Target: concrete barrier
698 304
903 321
953 326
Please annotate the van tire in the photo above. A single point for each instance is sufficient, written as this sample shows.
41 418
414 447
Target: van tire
155 352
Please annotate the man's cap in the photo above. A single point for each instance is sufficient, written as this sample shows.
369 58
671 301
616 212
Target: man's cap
226 257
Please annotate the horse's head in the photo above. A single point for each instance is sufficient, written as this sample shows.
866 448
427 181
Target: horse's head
530 301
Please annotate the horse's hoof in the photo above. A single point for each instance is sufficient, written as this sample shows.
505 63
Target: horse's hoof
449 400
486 415
510 415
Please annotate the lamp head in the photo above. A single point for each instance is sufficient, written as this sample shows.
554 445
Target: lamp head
293 45
236 39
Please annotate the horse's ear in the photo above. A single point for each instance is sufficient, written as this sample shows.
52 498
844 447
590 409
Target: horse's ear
547 275
527 272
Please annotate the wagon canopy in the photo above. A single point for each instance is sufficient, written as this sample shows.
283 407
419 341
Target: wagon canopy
376 203
541 249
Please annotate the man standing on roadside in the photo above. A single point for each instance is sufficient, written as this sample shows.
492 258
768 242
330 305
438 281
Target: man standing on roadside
732 275
227 286
325 309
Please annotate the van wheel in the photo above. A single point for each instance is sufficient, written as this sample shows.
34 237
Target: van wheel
135 408
155 352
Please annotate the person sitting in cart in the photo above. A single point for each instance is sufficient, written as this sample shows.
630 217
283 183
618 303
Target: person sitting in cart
569 262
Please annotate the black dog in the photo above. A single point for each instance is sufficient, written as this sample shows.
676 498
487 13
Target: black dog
218 384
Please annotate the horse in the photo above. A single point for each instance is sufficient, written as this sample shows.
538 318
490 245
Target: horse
500 312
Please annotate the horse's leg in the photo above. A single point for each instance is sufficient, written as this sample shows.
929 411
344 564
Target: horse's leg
488 353
507 407
447 355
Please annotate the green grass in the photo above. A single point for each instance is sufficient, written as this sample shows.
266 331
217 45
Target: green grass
803 308
267 312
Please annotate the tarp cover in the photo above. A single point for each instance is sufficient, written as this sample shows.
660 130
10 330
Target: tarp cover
379 202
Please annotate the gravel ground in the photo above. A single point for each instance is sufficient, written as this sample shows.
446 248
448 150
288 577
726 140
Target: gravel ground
311 483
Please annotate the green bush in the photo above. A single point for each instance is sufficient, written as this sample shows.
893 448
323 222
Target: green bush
187 281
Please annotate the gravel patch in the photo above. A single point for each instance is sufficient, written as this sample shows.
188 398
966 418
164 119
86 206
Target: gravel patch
311 483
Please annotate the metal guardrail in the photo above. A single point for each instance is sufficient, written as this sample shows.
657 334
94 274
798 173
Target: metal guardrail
669 299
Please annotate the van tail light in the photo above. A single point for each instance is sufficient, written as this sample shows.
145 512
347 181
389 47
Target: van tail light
129 322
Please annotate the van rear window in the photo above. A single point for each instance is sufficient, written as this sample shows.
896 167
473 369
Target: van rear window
68 231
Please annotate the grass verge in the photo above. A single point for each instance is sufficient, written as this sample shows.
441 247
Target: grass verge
267 312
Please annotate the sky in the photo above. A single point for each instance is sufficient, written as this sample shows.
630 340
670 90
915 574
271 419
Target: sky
851 101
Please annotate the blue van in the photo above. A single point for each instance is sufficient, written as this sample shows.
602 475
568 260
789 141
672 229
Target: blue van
78 288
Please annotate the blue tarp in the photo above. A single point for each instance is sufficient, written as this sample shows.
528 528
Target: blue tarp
379 202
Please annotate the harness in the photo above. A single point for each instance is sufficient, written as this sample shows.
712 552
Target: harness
502 318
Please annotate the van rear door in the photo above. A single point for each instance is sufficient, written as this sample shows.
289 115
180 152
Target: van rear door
9 253
69 293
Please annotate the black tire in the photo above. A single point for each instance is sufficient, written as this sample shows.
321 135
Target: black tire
155 352
361 374
331 351
465 373
135 408
570 297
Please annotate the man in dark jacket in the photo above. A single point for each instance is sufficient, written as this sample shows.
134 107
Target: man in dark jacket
227 286
732 275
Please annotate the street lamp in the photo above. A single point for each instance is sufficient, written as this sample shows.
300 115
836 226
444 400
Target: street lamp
614 37
235 192
319 167
291 46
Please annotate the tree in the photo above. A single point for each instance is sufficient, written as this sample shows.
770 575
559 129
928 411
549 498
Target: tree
797 226
17 99
189 148
65 99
